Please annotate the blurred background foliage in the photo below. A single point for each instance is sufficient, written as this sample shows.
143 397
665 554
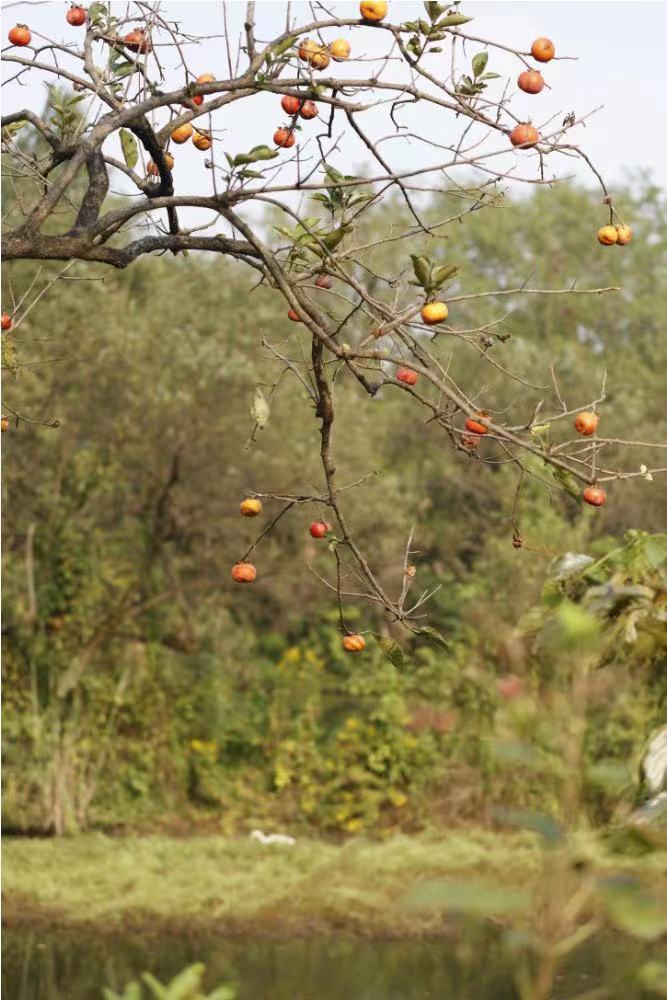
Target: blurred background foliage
143 688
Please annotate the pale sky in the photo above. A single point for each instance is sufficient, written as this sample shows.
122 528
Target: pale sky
620 65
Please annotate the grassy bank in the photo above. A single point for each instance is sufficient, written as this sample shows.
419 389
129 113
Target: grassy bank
238 886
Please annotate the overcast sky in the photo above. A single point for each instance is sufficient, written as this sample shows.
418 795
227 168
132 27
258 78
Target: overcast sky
621 66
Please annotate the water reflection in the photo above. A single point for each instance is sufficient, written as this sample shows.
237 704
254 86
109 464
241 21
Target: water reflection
40 965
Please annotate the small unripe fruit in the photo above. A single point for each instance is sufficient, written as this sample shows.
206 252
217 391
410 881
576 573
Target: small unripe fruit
324 281
407 376
243 572
434 312
340 49
594 495
202 141
318 529
524 135
354 643
586 423
624 235
251 507
373 10
607 236
20 35
290 105
531 81
284 137
152 168
182 133
76 16
543 49
6 321
476 426
309 110
294 316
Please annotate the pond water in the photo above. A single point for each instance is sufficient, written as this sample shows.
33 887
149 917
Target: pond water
53 965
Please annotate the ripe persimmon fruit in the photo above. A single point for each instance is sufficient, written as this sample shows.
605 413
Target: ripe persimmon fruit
340 49
320 59
243 572
182 133
20 35
543 49
306 49
251 507
524 135
607 236
373 10
202 140
318 529
475 425
290 105
624 235
407 376
586 423
434 312
594 495
6 321
354 643
284 137
137 41
294 316
152 168
309 110
531 81
76 16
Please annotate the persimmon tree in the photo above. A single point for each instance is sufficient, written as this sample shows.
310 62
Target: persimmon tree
133 94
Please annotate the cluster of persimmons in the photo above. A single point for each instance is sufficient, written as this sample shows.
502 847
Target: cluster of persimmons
318 57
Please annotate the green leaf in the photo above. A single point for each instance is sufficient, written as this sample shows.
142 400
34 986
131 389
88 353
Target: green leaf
96 11
441 274
334 175
422 268
479 63
259 409
287 43
158 992
632 908
183 986
491 76
432 634
126 69
255 154
250 173
222 993
434 9
453 20
129 146
479 899
391 650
